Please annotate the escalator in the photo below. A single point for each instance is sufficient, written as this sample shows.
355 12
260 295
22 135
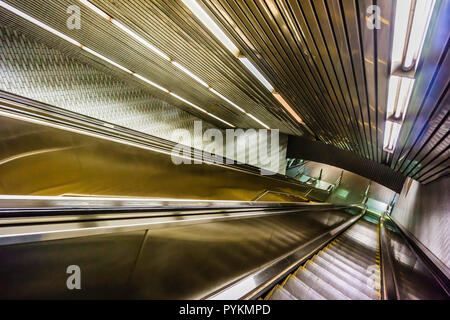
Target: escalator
74 191
348 268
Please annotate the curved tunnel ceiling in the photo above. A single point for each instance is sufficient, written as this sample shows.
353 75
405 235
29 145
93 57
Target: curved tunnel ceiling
319 55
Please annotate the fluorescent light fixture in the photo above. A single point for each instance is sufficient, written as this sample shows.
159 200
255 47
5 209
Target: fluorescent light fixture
402 12
288 107
140 39
257 120
105 58
150 82
404 95
256 73
63 36
227 100
193 76
188 102
391 133
399 95
198 11
215 117
195 8
198 108
38 23
409 32
419 26
95 9
125 29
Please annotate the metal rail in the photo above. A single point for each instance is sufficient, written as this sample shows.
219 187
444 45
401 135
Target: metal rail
388 278
258 282
29 219
434 265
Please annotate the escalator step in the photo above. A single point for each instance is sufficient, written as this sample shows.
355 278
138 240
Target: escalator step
342 266
321 287
362 261
344 287
368 259
300 290
281 294
360 267
354 279
352 246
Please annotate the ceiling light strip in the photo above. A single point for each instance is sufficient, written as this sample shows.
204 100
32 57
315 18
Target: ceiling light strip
193 76
410 30
63 36
162 54
256 73
38 23
257 120
188 102
227 100
227 123
209 23
139 39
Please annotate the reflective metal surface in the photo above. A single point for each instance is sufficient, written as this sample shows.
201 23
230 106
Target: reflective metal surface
347 268
252 286
176 257
413 278
388 274
47 153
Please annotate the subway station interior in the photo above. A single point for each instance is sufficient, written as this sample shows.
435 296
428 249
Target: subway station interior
225 149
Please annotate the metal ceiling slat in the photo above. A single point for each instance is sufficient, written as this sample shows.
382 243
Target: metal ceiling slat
383 70
434 54
278 49
243 24
329 40
303 59
346 62
359 119
318 54
353 33
290 43
436 171
280 20
438 153
367 37
431 88
175 47
319 42
271 25
229 8
317 64
433 134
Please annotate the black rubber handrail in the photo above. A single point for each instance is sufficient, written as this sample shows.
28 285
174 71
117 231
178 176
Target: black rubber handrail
436 267
388 278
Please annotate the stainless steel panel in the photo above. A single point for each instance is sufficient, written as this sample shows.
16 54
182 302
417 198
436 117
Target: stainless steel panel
42 158
414 280
193 261
165 256
38 270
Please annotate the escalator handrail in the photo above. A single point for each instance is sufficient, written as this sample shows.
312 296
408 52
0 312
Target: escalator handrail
436 267
388 277
258 282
